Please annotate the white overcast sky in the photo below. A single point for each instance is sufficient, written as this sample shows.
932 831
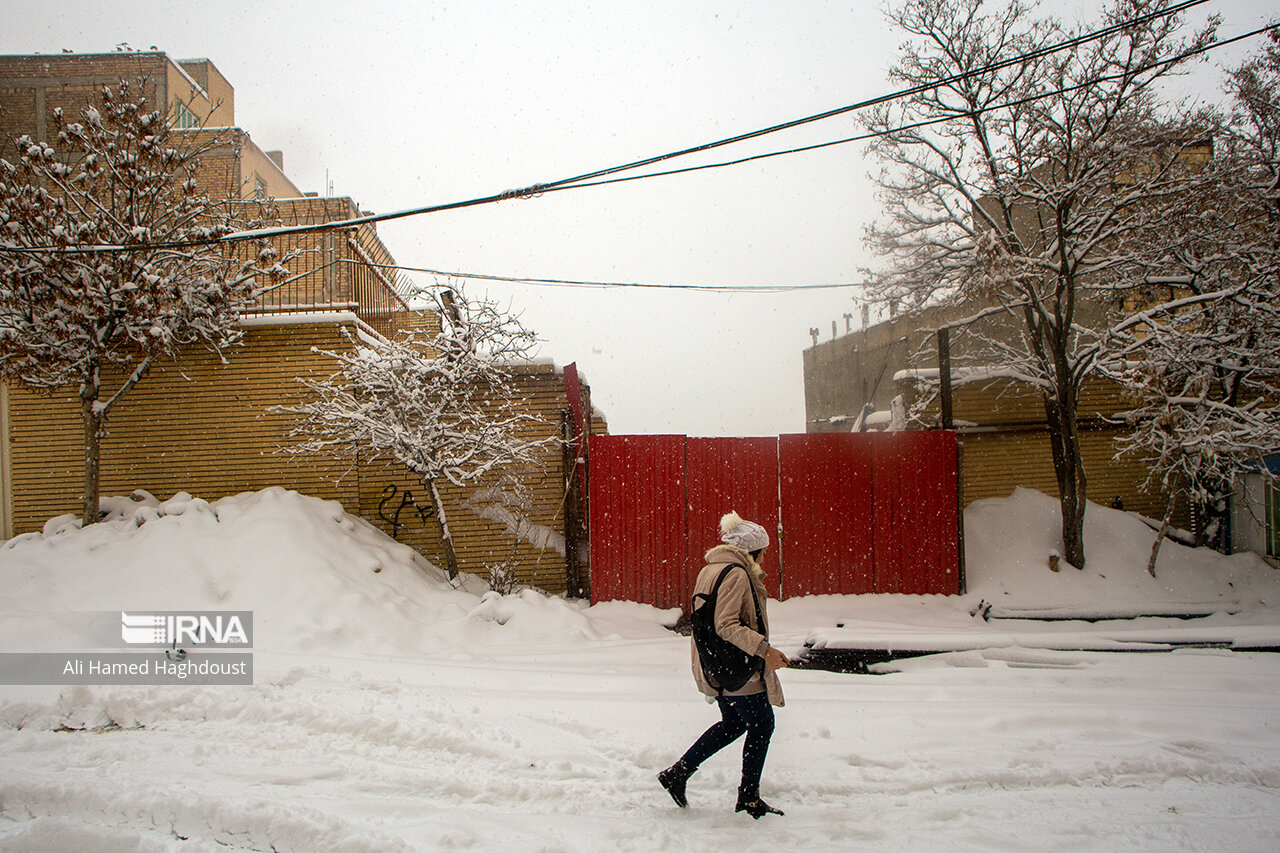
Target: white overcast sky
403 105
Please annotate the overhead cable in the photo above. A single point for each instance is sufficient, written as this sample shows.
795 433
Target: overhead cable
561 282
932 121
554 282
579 180
1084 38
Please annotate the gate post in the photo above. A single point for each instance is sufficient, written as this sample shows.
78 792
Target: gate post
575 581
782 566
964 583
944 375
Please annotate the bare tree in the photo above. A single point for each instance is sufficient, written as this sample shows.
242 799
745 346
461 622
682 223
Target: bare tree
1035 186
1205 366
443 405
98 279
1204 380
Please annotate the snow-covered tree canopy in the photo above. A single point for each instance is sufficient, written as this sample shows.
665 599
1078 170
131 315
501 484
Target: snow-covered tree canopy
442 403
1035 182
117 178
1204 364
96 266
1017 184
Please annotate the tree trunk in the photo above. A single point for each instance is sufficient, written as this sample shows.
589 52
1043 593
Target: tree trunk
93 414
446 537
92 420
1215 525
1064 440
1164 531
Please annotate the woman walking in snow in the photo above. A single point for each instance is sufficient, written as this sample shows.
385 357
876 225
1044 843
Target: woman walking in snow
740 618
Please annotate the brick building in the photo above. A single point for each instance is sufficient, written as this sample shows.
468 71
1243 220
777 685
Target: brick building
1000 421
200 425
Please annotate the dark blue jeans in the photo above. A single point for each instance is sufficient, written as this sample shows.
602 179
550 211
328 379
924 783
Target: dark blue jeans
751 714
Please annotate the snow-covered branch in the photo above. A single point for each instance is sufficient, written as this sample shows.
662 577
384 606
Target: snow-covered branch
445 405
1036 193
73 316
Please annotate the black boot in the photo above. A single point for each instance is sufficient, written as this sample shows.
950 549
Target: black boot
750 802
674 779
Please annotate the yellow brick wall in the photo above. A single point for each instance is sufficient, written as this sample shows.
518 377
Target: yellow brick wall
30 86
256 166
196 425
204 427
66 79
15 104
217 94
479 541
1005 445
40 83
1002 402
72 100
997 462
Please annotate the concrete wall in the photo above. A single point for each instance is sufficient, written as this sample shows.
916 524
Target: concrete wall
845 374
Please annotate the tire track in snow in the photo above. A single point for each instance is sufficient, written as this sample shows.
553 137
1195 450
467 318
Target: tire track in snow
166 816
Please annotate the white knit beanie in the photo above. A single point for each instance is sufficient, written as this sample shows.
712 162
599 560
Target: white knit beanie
747 535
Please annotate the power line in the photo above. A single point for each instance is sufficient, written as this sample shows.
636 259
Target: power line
933 121
555 282
561 282
1084 38
579 181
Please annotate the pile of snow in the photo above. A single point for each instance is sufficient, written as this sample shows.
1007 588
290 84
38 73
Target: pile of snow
1008 542
1012 591
317 579
321 581
393 710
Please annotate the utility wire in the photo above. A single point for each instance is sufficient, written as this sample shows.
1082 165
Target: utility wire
933 121
1048 50
553 282
561 282
578 181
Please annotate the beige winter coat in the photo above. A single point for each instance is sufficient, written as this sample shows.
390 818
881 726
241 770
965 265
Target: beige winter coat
736 618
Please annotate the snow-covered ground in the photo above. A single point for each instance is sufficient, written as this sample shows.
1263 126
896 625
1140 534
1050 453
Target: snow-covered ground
391 711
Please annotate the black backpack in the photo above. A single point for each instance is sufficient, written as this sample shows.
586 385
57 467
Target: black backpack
725 666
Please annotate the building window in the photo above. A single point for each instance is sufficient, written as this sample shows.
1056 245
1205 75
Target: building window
1272 518
183 118
259 188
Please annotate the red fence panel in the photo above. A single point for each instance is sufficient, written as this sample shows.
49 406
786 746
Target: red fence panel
916 521
723 474
930 529
890 515
826 514
638 529
859 512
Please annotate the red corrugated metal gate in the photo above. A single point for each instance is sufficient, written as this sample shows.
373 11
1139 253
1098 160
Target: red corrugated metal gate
859 512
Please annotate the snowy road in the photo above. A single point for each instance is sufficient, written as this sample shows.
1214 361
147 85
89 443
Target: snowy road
391 710
556 750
